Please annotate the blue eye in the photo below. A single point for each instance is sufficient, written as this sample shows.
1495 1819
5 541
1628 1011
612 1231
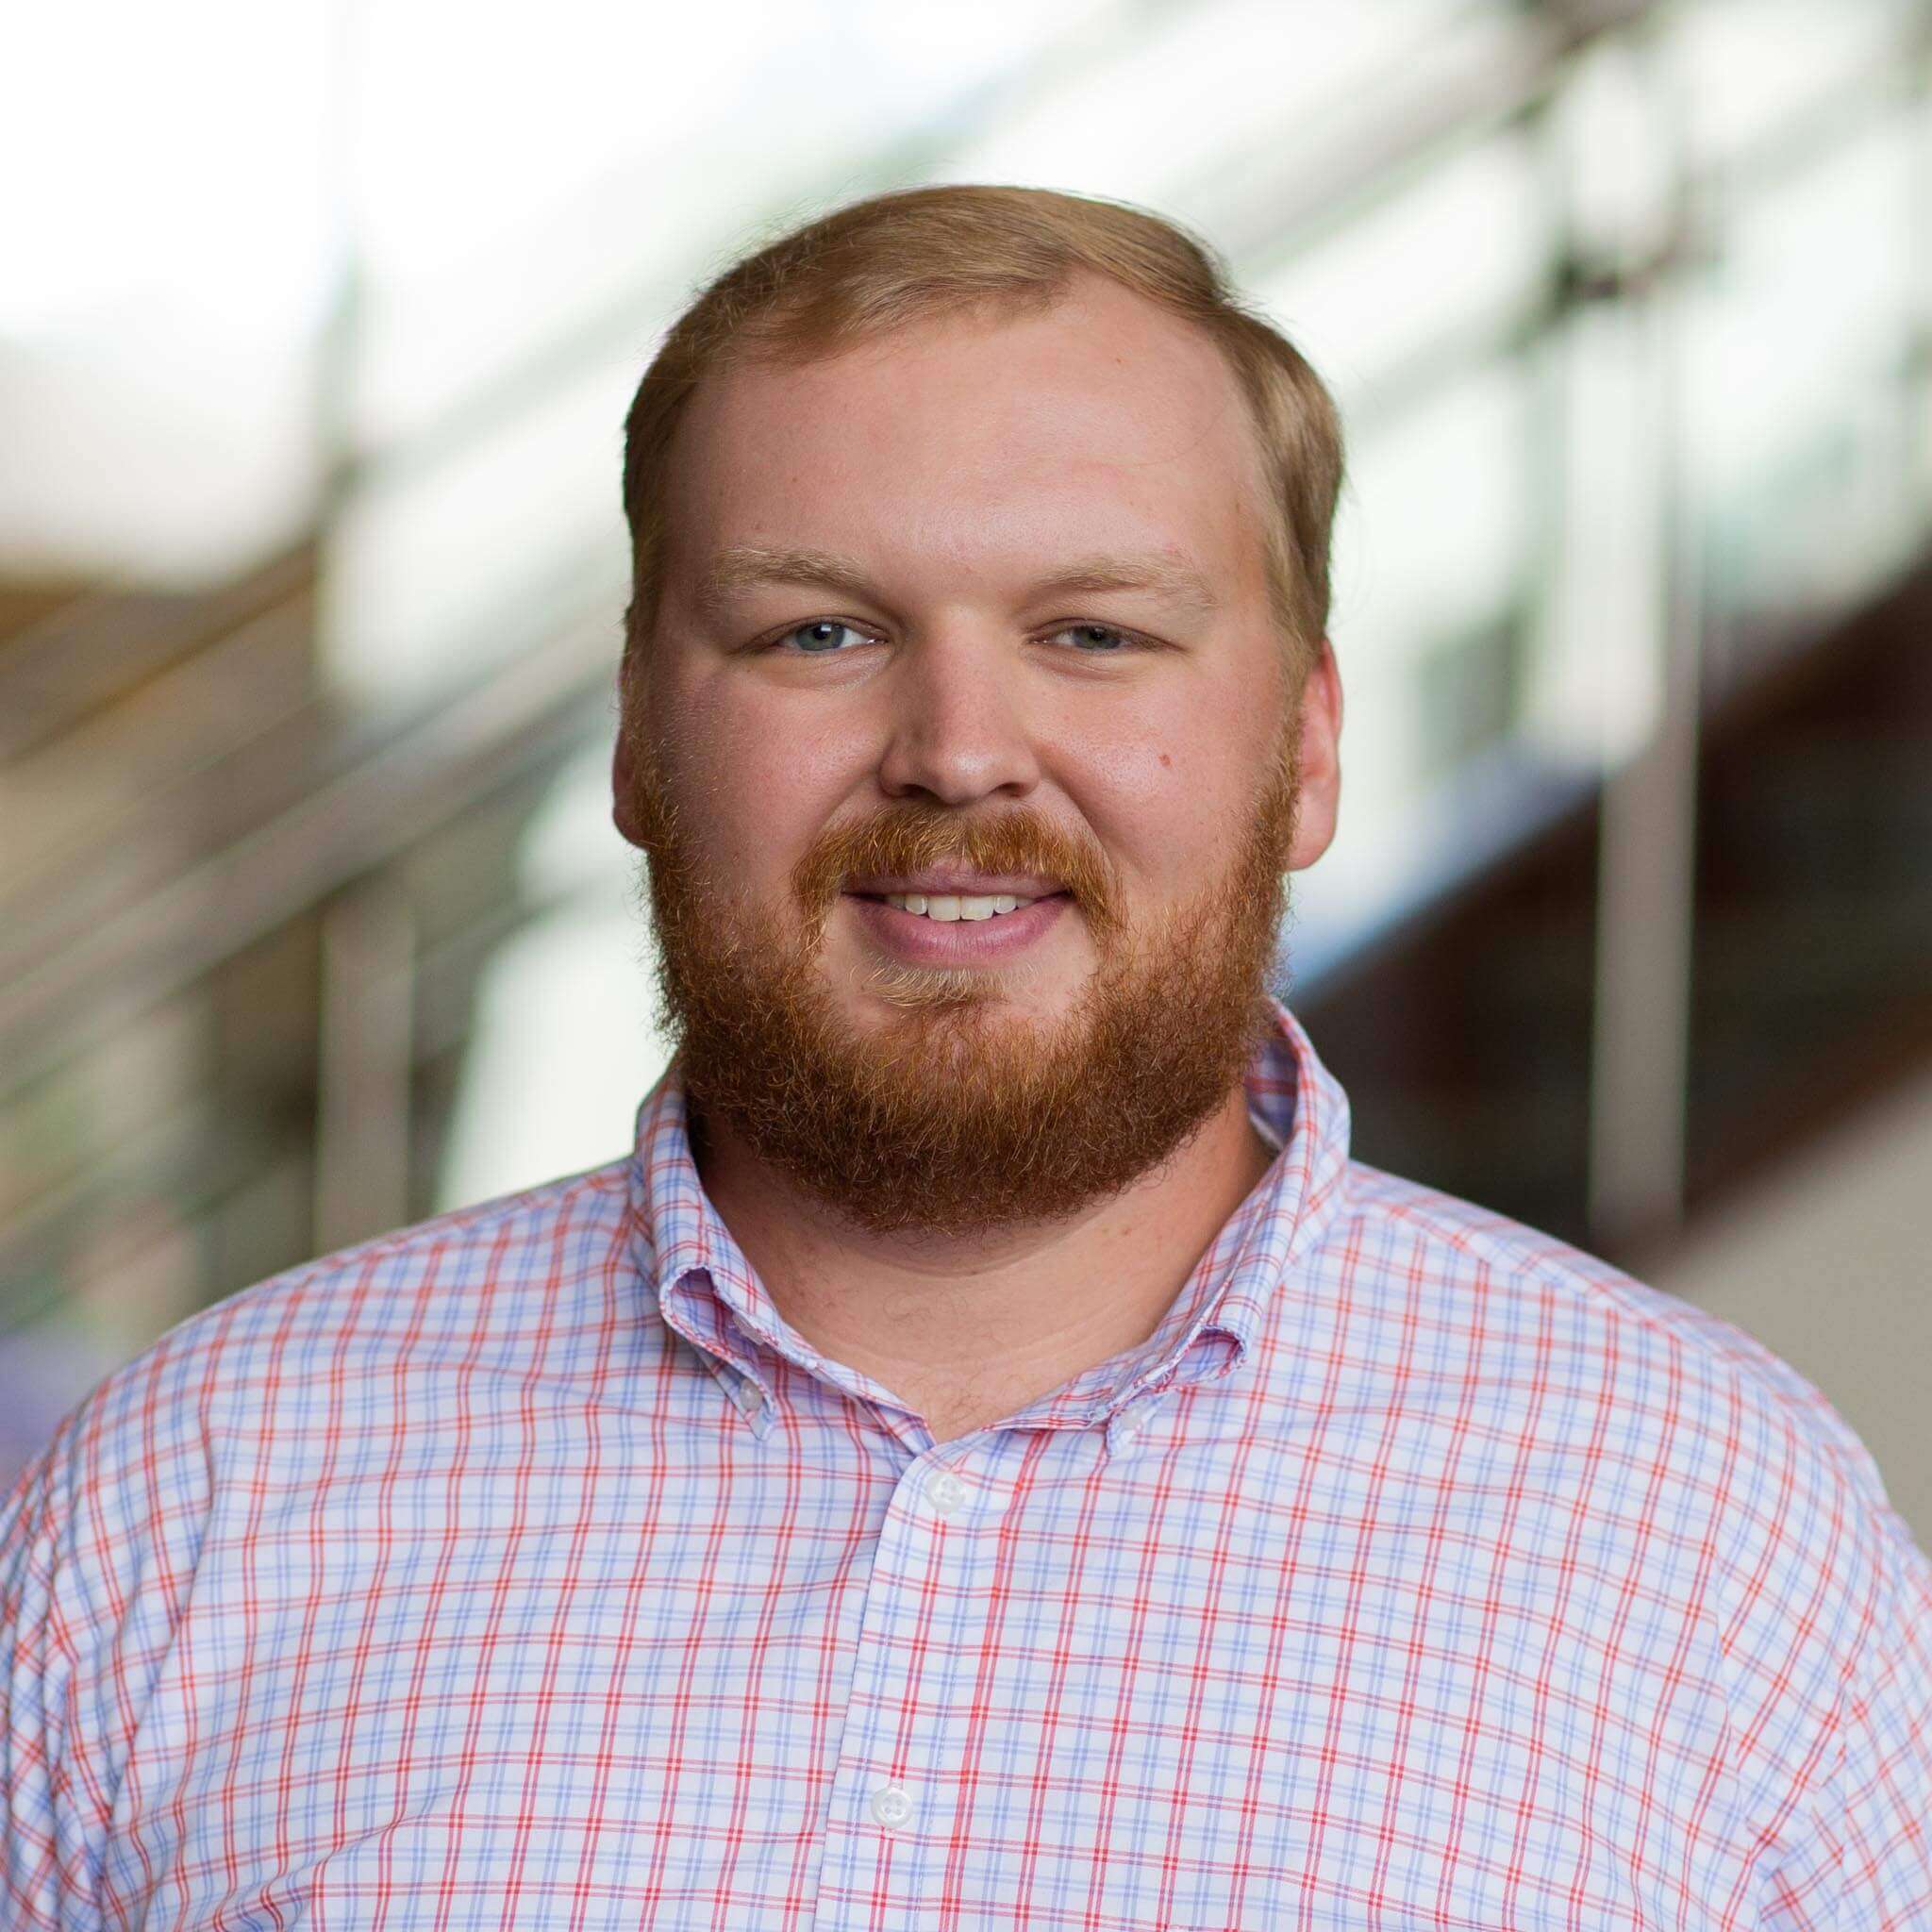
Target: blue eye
818 639
821 637
1097 636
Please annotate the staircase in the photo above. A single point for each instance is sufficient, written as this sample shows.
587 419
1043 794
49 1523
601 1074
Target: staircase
197 832
1465 1038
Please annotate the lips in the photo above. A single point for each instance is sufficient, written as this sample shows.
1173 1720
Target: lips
983 937
945 906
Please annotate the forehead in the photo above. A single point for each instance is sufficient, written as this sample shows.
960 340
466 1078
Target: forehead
1101 422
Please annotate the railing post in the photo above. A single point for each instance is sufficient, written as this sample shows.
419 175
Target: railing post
363 1112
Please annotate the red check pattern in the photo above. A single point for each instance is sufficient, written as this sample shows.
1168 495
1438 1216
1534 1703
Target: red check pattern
527 1569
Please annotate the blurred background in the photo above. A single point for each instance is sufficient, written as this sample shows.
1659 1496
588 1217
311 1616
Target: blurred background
317 323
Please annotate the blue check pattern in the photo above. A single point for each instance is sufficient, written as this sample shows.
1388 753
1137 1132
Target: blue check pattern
527 1569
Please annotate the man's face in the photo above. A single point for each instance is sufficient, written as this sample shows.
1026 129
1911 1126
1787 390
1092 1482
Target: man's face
975 613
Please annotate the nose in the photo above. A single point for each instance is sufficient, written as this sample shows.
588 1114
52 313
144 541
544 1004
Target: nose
956 731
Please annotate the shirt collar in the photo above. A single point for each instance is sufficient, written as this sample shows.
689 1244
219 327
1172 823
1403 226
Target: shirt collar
709 1291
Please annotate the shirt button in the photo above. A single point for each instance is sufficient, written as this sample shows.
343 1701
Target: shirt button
946 1493
891 1804
749 1396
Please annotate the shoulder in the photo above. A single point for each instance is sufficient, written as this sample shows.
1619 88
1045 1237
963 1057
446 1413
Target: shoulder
320 1351
1778 1514
1738 1523
104 1533
1682 1406
1543 1303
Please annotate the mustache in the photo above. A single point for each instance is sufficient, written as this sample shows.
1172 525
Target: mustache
912 836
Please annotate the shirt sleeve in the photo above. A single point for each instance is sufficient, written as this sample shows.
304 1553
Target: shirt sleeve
1863 1860
1889 1755
55 1815
99 1539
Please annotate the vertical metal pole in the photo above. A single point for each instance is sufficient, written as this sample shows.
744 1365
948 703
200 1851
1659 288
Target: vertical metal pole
339 344
1646 860
363 1085
1918 242
1640 1055
365 1019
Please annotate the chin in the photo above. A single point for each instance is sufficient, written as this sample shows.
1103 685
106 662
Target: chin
883 994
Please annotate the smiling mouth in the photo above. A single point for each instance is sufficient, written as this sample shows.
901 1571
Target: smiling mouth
956 929
949 907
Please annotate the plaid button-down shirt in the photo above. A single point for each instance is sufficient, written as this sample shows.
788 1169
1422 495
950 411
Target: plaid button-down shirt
527 1569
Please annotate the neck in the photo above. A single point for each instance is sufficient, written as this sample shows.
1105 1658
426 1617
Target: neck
967 1329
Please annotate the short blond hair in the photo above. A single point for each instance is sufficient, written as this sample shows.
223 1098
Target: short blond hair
921 253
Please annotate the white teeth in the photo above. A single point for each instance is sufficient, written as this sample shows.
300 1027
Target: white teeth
952 905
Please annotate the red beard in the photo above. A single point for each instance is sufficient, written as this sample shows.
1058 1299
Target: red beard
952 1114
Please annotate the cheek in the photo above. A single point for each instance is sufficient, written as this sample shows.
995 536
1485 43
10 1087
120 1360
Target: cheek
1157 812
760 788
1170 797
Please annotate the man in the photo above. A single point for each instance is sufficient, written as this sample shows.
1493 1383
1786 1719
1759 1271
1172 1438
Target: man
989 1457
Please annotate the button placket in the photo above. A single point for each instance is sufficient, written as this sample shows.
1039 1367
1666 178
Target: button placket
904 1724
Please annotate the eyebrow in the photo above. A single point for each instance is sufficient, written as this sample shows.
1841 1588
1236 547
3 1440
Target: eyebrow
748 566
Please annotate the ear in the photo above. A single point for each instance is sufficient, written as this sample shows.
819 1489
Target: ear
1320 774
624 760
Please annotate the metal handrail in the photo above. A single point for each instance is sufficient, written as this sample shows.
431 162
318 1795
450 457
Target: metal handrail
60 667
380 799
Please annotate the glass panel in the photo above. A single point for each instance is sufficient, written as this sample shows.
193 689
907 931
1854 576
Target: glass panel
1432 546
1749 68
1466 248
565 1042
1795 354
158 298
648 143
1196 86
424 573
